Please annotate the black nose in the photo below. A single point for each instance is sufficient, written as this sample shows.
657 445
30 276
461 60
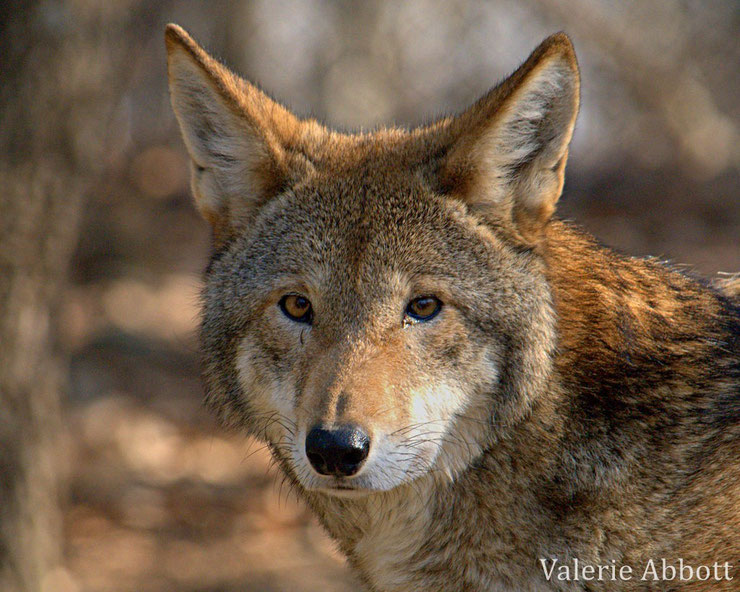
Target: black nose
338 451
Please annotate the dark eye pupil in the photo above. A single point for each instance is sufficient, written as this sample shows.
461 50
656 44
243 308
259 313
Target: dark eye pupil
424 306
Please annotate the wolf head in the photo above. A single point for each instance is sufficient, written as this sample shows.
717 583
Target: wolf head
376 307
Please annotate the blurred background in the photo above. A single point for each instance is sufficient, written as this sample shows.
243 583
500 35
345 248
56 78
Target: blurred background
112 477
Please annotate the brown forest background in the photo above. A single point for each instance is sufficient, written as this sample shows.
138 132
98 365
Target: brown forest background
112 477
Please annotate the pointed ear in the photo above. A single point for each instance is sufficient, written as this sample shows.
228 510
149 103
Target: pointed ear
244 147
507 153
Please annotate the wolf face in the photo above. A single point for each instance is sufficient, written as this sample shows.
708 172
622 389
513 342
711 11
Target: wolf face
393 336
375 309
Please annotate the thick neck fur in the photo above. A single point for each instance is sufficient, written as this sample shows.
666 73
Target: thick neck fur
644 376
643 351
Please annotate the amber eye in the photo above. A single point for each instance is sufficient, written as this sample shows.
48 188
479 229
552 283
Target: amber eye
423 309
296 308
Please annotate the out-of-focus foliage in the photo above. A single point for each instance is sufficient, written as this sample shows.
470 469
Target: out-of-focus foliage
162 499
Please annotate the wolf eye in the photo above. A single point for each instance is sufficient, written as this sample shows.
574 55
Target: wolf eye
423 309
296 308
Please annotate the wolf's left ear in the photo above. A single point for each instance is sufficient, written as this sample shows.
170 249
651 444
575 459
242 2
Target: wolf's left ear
244 147
505 155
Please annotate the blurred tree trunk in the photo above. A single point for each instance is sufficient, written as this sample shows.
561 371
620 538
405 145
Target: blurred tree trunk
58 78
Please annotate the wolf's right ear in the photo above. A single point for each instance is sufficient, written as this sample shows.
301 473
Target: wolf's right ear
235 134
506 154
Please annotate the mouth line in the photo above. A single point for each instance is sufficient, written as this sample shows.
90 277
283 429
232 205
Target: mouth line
344 492
341 486
342 489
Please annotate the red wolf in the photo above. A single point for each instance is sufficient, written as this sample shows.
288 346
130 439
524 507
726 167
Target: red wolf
470 394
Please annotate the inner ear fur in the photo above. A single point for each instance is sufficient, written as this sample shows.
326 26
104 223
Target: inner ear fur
244 147
505 156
